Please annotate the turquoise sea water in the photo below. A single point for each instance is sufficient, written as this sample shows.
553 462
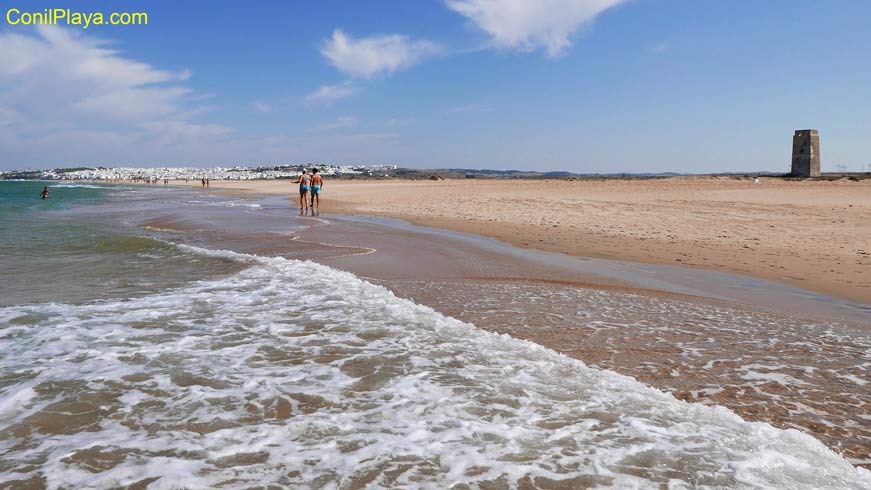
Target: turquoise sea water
84 243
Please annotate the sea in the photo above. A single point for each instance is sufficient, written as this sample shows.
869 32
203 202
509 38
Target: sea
146 357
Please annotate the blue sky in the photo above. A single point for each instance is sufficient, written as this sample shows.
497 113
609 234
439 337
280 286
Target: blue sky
579 85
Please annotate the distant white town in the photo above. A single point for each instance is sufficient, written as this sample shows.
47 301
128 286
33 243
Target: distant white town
153 174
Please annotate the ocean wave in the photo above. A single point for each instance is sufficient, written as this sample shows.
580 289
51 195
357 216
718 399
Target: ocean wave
79 186
296 374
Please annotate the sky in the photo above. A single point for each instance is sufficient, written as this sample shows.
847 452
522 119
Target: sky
575 85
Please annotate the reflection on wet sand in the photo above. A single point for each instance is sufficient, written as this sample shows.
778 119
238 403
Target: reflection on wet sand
767 366
790 373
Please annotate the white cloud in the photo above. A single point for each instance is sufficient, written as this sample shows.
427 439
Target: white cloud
329 94
376 55
351 141
527 25
66 70
396 122
66 96
340 123
132 103
658 48
69 98
7 116
184 130
64 66
262 107
468 108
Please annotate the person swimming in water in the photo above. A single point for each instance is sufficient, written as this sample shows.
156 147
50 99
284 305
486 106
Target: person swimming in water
44 193
317 185
304 180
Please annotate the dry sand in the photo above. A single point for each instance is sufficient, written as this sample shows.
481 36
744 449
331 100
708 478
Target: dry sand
812 234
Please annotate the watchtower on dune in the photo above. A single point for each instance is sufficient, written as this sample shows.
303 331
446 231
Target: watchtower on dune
806 153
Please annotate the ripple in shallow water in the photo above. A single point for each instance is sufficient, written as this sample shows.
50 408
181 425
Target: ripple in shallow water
792 373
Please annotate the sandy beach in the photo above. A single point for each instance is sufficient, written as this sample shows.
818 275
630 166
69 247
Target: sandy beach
811 234
233 315
758 350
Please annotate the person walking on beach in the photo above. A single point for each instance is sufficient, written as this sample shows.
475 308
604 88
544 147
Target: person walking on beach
203 180
44 193
304 180
317 185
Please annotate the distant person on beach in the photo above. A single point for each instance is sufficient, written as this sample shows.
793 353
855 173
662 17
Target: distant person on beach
304 180
317 184
44 193
203 180
208 182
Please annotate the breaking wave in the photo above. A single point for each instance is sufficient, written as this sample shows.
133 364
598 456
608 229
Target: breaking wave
291 373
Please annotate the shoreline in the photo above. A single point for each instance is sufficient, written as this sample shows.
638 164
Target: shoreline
699 348
701 223
654 280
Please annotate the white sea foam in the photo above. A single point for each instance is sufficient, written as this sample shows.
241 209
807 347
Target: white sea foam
79 186
855 379
235 204
294 374
226 204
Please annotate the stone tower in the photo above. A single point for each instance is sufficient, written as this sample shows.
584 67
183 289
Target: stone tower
806 153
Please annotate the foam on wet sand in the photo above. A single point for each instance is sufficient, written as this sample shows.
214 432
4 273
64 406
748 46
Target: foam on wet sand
294 373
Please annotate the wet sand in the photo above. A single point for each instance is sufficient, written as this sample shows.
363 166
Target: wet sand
788 370
813 235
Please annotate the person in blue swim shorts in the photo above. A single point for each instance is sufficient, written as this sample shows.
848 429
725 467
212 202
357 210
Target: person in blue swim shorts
304 181
317 185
